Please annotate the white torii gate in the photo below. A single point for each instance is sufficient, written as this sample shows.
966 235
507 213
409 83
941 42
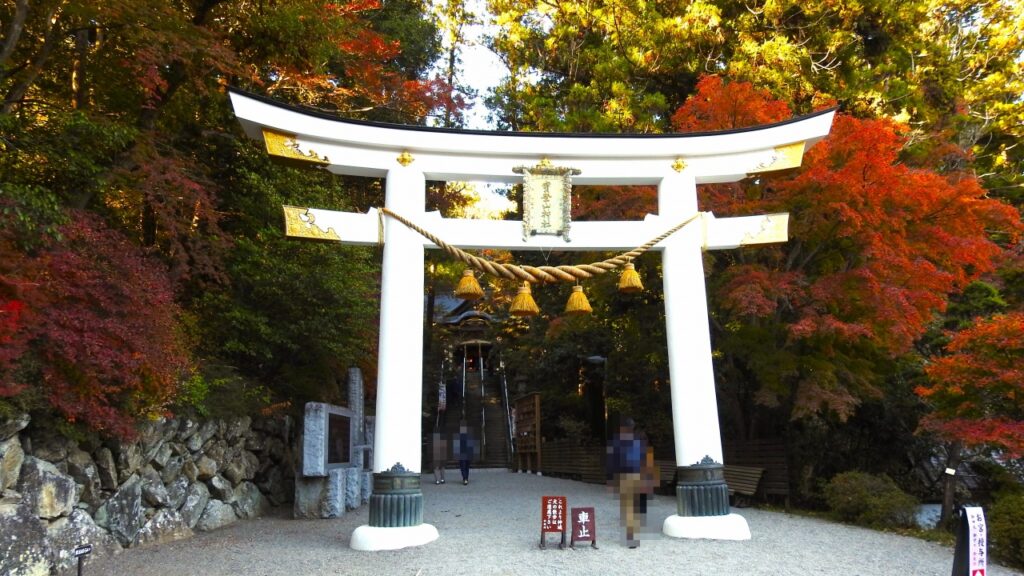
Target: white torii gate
409 156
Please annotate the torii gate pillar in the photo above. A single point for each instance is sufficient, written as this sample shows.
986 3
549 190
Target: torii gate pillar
396 506
701 492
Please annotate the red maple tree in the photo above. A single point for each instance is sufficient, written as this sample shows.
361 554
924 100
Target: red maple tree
102 344
977 391
876 247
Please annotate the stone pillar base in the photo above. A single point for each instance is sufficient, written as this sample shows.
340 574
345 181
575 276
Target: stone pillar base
728 527
372 538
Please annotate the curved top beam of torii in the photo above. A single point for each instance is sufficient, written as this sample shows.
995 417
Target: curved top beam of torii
361 148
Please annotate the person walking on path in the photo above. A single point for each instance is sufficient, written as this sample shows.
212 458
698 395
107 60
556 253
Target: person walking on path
465 448
440 452
630 476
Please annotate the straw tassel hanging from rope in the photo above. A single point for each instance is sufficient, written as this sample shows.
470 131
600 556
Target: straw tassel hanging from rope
578 303
629 281
523 304
469 288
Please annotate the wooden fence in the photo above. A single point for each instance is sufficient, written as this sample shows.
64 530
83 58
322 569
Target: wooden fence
567 459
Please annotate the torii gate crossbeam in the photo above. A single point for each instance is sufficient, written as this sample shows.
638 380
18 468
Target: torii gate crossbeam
408 156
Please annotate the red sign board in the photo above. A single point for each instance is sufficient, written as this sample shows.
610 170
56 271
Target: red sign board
552 514
584 526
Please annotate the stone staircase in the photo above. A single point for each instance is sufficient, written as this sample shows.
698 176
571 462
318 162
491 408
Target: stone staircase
486 417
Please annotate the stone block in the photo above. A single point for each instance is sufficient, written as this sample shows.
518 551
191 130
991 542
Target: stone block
206 431
172 469
155 493
123 514
314 440
176 492
48 492
366 485
65 534
11 425
206 468
165 526
353 488
82 468
320 497
237 427
186 428
154 434
104 460
218 451
11 458
22 541
162 456
243 467
190 470
333 505
370 423
221 489
249 502
308 494
216 515
128 456
196 498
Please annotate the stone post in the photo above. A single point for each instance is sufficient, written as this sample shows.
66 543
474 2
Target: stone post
355 404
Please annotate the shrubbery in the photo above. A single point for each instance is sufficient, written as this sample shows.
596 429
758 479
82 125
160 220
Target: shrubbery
869 500
1006 528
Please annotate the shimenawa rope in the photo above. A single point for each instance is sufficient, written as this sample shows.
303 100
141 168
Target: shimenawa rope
540 274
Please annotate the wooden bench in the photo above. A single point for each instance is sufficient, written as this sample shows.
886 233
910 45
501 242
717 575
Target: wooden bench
768 454
743 482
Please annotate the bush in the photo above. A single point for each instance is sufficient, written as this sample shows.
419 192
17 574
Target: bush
869 500
1006 528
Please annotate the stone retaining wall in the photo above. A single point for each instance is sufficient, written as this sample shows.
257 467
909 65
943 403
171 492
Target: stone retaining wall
177 477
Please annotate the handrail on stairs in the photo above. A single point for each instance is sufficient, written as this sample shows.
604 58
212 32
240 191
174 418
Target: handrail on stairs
508 411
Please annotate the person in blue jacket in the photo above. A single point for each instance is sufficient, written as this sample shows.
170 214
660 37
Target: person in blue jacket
627 468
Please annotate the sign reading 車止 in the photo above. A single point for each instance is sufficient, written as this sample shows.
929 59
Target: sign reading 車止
970 555
552 517
583 527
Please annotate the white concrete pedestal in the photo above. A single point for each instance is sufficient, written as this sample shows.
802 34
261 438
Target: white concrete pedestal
729 527
371 538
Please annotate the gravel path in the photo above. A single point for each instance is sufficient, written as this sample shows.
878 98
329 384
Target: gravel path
491 527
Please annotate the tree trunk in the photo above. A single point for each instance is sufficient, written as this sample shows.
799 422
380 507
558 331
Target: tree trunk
14 30
79 82
17 92
955 454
